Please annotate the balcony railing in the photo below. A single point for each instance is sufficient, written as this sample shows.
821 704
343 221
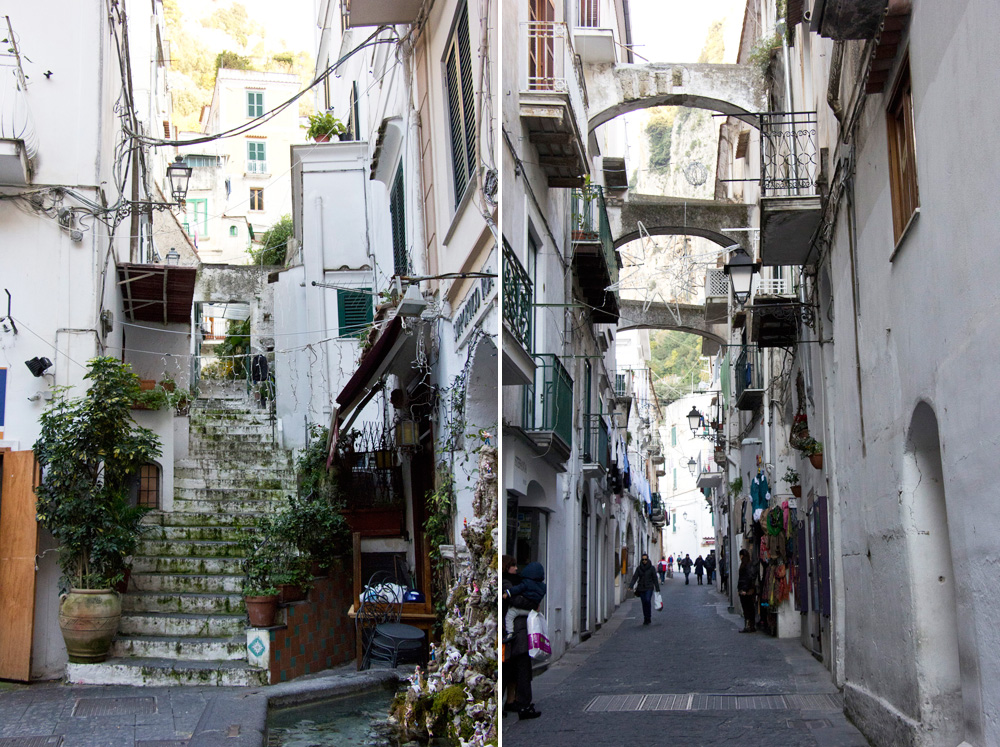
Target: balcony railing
518 298
547 49
595 441
790 162
548 405
589 14
621 385
256 167
590 224
748 379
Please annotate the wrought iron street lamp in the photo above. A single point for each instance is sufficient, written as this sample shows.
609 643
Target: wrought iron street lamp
173 257
741 270
179 176
692 466
696 420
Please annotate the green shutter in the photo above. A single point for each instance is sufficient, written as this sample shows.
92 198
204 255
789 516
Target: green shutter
460 82
455 112
468 91
397 215
255 103
354 310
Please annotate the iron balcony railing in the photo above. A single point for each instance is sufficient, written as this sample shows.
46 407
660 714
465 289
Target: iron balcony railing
589 14
256 167
548 405
591 224
518 298
596 441
789 154
748 371
778 286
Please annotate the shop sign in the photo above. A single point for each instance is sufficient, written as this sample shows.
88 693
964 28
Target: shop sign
477 300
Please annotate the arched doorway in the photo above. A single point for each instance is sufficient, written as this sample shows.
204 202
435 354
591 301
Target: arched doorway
933 583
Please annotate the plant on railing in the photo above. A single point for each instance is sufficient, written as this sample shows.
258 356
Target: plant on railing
323 126
763 50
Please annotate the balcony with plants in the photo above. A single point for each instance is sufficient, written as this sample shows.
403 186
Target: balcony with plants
551 101
595 261
518 311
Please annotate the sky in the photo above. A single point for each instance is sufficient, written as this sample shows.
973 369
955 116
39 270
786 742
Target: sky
674 30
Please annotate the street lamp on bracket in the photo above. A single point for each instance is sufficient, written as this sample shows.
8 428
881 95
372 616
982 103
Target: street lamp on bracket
741 269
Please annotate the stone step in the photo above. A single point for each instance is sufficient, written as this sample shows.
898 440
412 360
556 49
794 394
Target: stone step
215 507
199 440
200 416
226 493
203 467
188 603
179 583
200 566
277 480
183 625
210 427
189 548
215 534
200 518
154 672
230 454
174 647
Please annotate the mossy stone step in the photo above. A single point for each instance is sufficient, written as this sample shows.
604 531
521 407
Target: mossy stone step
150 672
178 583
216 533
190 548
188 603
185 625
177 647
200 518
196 565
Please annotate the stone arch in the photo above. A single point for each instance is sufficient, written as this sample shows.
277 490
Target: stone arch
933 583
736 90
688 318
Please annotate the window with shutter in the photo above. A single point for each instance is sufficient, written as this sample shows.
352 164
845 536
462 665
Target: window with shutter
397 214
902 154
461 103
255 104
354 310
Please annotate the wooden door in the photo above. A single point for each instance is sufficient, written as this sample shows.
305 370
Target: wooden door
18 545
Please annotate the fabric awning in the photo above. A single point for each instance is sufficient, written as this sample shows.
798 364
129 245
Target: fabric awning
157 293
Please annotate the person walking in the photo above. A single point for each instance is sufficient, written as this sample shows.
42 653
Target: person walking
710 566
661 568
699 569
746 587
670 566
644 580
686 565
517 662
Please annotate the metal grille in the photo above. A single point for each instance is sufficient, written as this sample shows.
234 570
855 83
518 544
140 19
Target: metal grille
710 702
716 284
114 706
789 163
518 297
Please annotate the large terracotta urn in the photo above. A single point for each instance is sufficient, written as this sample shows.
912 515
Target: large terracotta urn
88 619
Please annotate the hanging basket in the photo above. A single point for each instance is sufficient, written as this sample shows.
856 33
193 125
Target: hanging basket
816 460
797 491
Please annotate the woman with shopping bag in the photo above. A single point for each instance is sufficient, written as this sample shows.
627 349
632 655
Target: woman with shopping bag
645 582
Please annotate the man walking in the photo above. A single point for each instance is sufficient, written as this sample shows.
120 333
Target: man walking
710 566
699 569
686 566
661 568
644 580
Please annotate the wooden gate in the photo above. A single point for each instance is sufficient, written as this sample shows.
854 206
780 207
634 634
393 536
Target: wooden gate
18 545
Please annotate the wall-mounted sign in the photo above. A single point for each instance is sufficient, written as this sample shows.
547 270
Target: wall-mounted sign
477 300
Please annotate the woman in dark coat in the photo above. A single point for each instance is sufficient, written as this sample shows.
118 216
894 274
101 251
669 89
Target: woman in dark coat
644 580
746 587
699 569
517 664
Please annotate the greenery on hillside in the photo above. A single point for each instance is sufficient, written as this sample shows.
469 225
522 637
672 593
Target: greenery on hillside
229 38
715 48
660 130
274 243
674 357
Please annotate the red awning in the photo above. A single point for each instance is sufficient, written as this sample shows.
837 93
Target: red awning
157 293
372 365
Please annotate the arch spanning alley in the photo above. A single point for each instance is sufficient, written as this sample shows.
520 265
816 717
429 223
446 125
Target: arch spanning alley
736 90
676 216
679 317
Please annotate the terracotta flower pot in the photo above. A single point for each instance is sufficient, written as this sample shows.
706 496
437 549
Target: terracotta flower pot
88 619
262 610
797 491
288 593
816 460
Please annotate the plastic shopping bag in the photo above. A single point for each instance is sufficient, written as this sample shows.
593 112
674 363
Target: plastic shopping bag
657 600
538 636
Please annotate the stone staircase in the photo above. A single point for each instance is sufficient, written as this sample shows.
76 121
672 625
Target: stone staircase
183 618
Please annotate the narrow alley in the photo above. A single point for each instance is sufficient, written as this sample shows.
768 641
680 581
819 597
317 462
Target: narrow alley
688 680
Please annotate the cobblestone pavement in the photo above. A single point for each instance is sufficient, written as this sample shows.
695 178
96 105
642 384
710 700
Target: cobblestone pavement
664 684
50 714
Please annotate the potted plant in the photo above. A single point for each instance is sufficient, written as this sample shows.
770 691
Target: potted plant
800 431
293 578
324 125
90 450
260 595
814 450
791 478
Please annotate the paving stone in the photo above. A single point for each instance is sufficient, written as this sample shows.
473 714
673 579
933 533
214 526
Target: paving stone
686 679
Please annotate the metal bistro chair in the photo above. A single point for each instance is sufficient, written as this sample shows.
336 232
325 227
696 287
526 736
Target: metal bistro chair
384 637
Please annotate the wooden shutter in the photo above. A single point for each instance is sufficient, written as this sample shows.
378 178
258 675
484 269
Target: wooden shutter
452 78
355 312
468 92
397 215
18 546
